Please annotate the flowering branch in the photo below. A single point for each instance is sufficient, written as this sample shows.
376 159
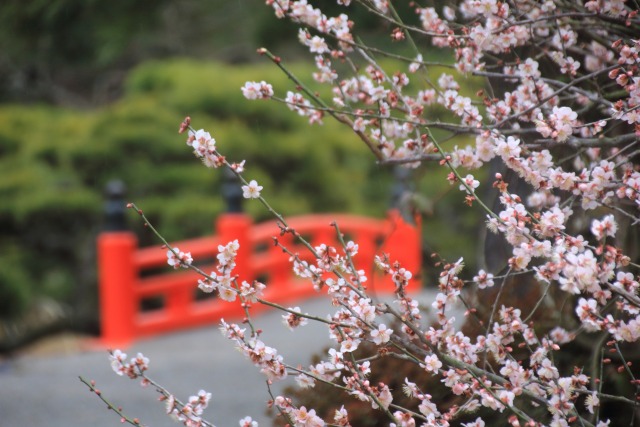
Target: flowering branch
118 410
561 112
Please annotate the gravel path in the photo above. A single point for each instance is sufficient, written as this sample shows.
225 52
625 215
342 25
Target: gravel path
44 390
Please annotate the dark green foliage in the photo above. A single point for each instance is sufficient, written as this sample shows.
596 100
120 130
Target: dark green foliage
14 293
76 51
74 31
56 163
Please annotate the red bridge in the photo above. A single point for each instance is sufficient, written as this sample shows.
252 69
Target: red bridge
138 300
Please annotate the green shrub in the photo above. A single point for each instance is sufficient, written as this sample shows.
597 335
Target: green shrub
56 163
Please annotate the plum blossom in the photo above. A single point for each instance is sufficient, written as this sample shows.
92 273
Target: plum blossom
292 320
381 335
305 381
227 293
238 167
201 141
248 422
559 125
317 45
133 369
460 105
552 222
255 90
176 258
118 361
483 279
252 190
607 227
401 277
351 248
265 357
508 148
190 414
414 66
227 254
204 147
349 345
297 102
477 423
306 418
471 183
591 402
340 417
432 363
384 397
251 292
587 313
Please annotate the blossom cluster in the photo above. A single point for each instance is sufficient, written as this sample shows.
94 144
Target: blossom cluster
525 122
204 147
133 369
224 283
557 123
301 417
176 258
189 413
266 358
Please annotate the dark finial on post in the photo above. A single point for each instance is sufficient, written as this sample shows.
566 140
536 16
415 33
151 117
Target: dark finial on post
231 191
115 206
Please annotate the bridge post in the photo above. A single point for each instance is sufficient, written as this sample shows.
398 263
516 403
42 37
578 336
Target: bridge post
231 191
404 242
116 271
117 274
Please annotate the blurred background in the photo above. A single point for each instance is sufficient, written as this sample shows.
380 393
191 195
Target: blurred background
94 91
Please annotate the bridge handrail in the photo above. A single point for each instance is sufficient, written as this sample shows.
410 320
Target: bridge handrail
124 286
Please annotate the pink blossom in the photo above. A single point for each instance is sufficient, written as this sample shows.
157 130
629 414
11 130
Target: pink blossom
341 417
254 90
471 183
118 361
607 227
252 291
306 418
414 66
305 381
351 248
477 423
432 363
227 293
381 335
292 320
508 148
483 279
248 422
318 45
591 402
227 253
252 190
349 345
176 258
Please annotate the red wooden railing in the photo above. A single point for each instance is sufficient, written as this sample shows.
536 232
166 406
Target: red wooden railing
124 286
